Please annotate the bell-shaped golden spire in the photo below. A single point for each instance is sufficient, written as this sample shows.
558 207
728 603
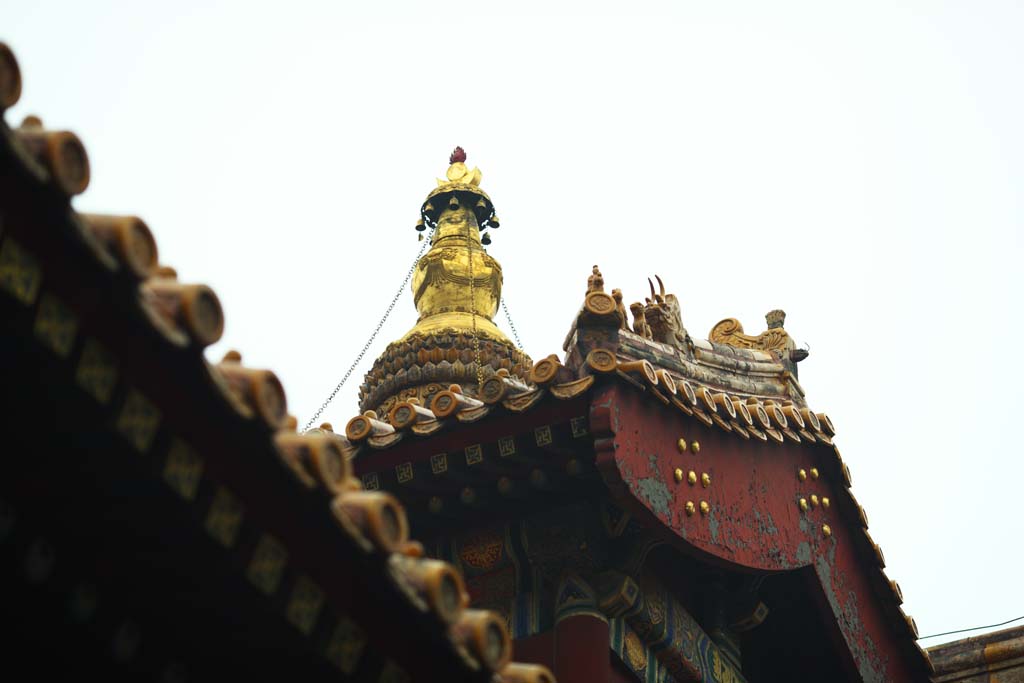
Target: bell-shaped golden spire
457 290
457 285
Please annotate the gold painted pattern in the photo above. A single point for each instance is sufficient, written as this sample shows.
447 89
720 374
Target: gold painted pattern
183 470
267 566
722 672
56 325
97 371
346 646
224 518
474 454
506 446
635 652
305 604
20 274
138 421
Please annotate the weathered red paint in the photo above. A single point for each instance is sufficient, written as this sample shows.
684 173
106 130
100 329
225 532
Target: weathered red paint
754 521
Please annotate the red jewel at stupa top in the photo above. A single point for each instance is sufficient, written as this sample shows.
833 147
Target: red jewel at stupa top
458 156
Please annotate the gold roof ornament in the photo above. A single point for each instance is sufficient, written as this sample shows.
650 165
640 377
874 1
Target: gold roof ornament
458 173
775 338
456 288
464 185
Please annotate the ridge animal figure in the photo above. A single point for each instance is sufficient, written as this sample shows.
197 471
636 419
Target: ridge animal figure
621 308
595 283
640 325
664 318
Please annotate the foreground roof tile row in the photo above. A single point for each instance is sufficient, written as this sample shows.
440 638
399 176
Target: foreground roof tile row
51 259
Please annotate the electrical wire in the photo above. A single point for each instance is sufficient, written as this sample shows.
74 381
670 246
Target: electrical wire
975 628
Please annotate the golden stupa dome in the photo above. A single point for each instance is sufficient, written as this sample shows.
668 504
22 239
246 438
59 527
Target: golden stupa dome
457 291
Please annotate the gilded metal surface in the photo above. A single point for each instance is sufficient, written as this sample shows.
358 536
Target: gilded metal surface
691 477
803 504
473 315
681 445
695 447
704 507
678 474
825 502
444 277
826 530
459 174
802 474
690 509
456 289
814 473
814 500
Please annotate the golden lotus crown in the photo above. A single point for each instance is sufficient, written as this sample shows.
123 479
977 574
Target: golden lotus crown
458 173
460 188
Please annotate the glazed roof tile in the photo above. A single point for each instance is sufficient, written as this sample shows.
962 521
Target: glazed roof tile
520 403
997 656
762 419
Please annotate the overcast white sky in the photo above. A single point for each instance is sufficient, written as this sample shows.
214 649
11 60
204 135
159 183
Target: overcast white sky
860 166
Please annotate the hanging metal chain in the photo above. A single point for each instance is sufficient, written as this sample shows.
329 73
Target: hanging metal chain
472 311
373 336
512 325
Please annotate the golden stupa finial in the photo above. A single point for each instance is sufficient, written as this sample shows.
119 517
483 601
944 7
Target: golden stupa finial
456 288
457 285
